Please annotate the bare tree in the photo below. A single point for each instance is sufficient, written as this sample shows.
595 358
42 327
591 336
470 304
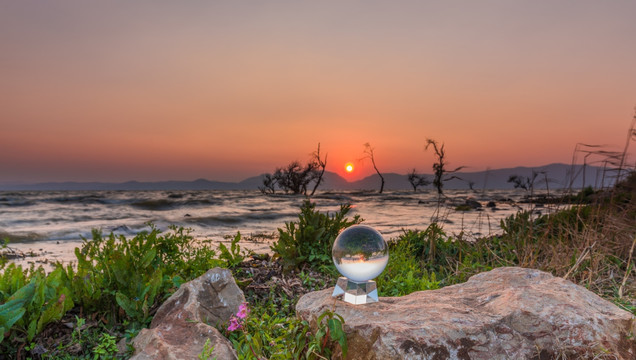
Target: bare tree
269 184
417 180
368 154
322 164
527 183
523 182
296 177
439 167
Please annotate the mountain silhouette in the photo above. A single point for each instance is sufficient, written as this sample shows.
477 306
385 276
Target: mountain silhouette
554 176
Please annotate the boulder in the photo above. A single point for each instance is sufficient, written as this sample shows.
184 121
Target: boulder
473 203
184 323
506 313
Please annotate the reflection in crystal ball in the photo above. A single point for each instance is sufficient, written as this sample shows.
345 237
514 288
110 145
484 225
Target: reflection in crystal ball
360 253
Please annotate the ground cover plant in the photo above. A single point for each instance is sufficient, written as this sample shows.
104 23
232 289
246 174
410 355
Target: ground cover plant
83 311
308 242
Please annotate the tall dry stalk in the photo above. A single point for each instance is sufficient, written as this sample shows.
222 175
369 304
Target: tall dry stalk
628 271
631 135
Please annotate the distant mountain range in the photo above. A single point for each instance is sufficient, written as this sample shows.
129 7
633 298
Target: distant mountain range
553 175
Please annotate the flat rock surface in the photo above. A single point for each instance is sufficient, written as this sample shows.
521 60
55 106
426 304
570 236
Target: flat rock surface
506 313
186 321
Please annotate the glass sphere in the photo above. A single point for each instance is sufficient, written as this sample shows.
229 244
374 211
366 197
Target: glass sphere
360 253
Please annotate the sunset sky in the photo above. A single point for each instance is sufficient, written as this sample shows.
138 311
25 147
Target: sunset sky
224 90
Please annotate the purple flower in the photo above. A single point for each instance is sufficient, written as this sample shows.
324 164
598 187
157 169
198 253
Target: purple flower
234 324
243 311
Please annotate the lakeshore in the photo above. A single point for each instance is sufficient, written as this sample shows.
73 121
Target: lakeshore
45 227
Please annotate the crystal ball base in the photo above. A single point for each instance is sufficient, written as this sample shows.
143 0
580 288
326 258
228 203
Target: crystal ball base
356 292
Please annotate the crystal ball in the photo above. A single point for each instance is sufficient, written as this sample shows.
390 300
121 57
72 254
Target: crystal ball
360 253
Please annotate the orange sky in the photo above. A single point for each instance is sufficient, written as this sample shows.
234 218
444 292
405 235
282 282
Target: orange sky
167 90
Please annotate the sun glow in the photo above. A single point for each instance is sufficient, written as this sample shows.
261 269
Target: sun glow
349 167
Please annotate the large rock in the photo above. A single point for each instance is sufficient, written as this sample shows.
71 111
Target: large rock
184 323
506 313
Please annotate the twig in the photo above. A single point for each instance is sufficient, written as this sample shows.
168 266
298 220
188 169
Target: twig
320 356
497 256
582 257
631 252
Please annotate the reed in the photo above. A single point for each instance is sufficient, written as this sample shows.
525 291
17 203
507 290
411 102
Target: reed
590 244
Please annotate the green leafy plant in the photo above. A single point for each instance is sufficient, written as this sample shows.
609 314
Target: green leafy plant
119 271
312 281
116 279
208 349
233 256
270 330
406 270
44 299
135 274
15 307
3 250
330 332
76 336
107 347
309 241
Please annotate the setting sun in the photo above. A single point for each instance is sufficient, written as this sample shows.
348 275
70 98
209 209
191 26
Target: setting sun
349 167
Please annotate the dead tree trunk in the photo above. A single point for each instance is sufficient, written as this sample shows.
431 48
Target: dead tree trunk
322 164
368 152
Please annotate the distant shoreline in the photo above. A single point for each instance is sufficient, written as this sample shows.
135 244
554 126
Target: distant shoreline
558 176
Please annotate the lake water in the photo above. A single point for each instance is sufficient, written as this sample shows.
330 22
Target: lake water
51 223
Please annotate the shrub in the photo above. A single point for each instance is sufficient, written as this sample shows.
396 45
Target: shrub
117 271
119 280
136 274
405 273
266 332
309 241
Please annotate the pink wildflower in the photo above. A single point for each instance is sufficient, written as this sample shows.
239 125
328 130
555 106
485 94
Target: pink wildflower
234 324
243 311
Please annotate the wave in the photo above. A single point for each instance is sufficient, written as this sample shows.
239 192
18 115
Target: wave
158 204
126 230
59 216
214 220
166 204
82 199
199 202
238 218
19 237
16 201
334 196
